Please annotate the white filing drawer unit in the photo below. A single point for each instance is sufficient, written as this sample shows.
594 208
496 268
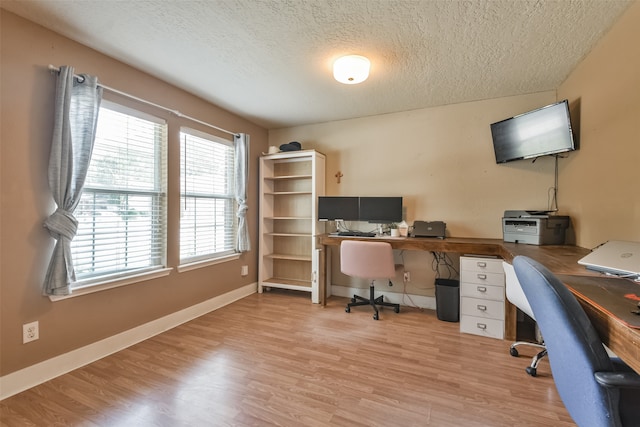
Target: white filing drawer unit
482 296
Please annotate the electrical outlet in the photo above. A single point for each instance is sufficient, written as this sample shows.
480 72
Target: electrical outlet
244 270
407 277
30 332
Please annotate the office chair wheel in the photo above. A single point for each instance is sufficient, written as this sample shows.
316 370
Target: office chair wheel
348 309
375 316
513 351
531 371
396 309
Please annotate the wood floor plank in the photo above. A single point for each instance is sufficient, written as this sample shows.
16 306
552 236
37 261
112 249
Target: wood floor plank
274 359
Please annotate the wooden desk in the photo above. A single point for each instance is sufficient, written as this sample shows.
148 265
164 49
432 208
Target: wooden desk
560 259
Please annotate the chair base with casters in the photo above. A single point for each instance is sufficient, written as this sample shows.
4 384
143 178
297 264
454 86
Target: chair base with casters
374 302
533 368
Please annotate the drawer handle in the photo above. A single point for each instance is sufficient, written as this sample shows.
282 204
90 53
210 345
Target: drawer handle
481 326
481 289
482 276
482 307
482 264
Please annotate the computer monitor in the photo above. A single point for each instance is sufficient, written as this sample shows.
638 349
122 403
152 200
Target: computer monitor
336 208
381 210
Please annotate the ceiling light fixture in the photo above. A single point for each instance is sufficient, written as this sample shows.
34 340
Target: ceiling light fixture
351 69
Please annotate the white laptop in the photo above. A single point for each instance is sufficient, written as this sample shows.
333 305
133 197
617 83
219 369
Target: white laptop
615 257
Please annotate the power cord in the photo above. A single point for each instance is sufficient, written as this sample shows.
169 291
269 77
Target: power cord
405 295
441 259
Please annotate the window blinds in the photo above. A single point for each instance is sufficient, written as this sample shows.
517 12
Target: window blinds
208 209
122 212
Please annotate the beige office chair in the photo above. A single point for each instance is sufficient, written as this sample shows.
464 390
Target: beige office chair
368 260
516 296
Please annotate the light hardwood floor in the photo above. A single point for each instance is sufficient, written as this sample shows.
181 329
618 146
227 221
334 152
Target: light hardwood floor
275 359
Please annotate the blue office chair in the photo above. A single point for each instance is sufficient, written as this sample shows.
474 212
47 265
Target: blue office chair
598 391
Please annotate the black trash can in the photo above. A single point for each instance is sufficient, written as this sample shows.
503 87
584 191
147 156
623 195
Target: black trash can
448 300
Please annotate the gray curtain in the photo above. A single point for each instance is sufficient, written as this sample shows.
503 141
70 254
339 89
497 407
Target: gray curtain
76 117
241 143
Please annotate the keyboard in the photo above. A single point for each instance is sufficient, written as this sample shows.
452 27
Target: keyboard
356 233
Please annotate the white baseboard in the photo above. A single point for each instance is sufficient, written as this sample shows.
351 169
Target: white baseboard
393 297
39 373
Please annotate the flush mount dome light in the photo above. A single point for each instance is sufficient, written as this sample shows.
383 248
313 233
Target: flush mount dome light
351 69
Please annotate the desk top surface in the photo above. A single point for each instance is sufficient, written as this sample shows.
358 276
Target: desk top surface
561 259
619 297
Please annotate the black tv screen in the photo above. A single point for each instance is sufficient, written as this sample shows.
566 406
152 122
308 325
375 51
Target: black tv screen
540 132
381 210
332 208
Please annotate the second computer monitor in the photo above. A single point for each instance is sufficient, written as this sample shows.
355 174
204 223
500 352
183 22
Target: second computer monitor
381 210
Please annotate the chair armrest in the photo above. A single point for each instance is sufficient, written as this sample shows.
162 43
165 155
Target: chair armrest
618 379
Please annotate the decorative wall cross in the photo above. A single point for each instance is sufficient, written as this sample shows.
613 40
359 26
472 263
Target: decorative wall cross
338 175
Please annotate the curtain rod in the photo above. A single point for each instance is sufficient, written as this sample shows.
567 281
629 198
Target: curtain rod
144 101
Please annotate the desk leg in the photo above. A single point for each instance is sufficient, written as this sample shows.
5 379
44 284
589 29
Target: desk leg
510 321
324 275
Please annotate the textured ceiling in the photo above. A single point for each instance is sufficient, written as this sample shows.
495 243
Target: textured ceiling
270 61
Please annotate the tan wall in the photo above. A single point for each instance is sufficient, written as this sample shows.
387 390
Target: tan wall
28 90
600 183
440 160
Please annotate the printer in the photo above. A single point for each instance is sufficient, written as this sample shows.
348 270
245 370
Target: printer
534 227
437 229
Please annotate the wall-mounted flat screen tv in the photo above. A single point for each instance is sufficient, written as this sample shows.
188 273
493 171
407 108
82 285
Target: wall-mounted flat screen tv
333 208
540 132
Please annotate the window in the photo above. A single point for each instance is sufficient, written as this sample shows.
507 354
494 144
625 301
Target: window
122 211
207 201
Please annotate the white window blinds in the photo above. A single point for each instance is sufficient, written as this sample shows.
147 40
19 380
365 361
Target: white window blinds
208 209
122 212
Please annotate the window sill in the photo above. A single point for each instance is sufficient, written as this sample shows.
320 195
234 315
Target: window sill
110 284
206 263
